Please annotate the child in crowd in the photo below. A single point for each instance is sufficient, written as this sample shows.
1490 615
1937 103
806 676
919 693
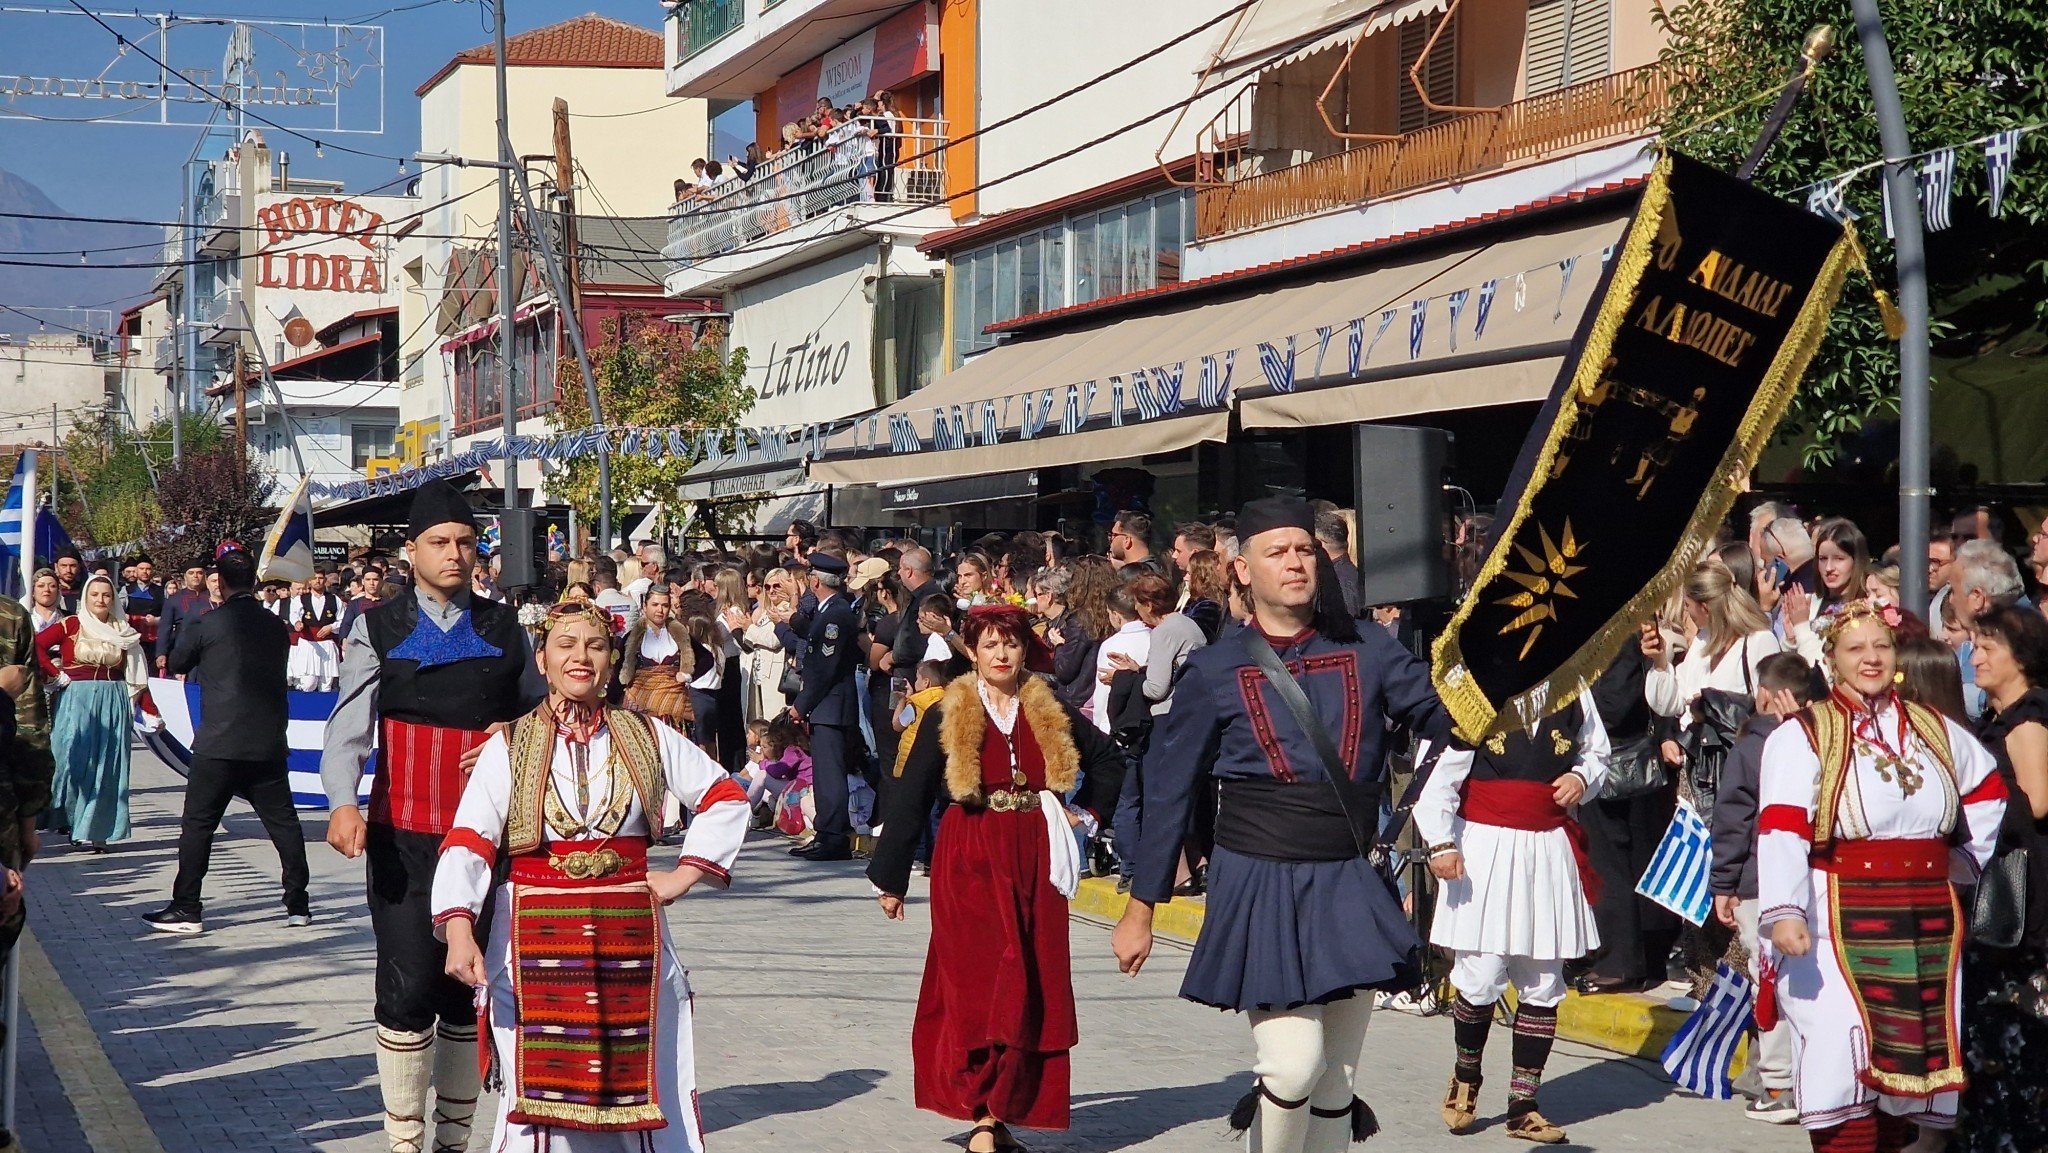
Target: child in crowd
786 765
928 685
1785 684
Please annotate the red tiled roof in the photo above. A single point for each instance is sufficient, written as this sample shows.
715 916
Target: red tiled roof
588 41
1310 260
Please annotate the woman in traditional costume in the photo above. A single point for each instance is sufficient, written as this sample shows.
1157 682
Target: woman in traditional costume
95 660
1872 810
995 1015
656 667
571 797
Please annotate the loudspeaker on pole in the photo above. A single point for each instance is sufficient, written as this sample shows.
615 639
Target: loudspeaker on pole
1400 475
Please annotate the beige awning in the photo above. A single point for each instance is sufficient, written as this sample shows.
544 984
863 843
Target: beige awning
1531 315
1529 323
1278 32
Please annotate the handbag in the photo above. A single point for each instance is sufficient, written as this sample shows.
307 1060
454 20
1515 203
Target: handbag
1998 910
791 682
1717 719
1635 768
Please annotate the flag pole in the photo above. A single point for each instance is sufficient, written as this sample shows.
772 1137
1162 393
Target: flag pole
28 521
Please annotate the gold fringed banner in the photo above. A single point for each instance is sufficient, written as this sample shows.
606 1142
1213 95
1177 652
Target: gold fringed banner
1713 306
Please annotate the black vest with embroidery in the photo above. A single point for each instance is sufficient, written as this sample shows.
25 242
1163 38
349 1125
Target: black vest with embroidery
1543 755
472 694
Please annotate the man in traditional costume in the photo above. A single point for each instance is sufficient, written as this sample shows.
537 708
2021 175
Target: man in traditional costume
590 1029
1301 928
314 615
426 678
1513 906
1872 810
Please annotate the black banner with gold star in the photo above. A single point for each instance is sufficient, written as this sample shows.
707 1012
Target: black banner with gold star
1713 306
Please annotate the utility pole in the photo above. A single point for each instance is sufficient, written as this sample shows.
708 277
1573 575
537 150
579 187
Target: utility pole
565 199
241 417
508 298
1911 244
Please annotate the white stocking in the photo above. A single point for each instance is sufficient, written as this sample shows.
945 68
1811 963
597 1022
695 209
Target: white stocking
1344 1025
457 1085
405 1071
1289 1067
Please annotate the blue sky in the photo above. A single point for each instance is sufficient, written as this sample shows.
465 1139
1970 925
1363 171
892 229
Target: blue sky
131 171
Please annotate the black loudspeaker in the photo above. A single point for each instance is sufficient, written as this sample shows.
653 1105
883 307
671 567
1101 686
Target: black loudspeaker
1401 514
515 549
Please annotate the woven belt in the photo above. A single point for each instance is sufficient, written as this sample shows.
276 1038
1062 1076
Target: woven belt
1013 801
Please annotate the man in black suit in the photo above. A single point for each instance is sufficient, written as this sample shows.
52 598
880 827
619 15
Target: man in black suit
830 704
236 653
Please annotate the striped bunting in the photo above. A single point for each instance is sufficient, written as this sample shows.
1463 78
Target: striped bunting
1677 876
1699 1056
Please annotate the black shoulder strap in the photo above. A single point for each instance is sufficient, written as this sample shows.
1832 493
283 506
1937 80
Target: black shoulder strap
1356 807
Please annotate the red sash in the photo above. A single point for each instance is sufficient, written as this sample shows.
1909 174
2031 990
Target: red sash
419 775
1531 807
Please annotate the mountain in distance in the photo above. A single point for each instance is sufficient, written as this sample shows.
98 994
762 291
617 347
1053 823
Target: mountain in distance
39 231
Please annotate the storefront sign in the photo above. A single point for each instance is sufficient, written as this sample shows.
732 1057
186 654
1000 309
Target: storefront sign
894 53
292 259
963 490
1717 299
809 337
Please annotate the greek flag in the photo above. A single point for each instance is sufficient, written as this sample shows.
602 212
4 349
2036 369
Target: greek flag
1937 182
288 550
1698 1058
12 516
1677 876
1999 152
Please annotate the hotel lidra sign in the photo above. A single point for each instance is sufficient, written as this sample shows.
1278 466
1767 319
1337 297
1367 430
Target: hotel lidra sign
320 244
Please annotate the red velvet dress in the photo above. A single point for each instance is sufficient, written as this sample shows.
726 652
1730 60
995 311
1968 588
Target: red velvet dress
995 1017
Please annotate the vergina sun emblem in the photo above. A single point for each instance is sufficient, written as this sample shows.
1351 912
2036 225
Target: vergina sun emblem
1543 583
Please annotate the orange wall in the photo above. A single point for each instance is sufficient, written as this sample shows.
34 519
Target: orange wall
959 67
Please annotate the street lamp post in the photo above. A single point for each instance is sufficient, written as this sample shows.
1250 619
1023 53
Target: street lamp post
1911 243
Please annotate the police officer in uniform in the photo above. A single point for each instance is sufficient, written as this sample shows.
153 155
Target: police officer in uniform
830 705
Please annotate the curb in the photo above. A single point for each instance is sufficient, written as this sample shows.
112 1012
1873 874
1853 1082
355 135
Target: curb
1631 1024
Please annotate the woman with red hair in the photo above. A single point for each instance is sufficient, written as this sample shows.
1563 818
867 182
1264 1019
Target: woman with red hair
995 1015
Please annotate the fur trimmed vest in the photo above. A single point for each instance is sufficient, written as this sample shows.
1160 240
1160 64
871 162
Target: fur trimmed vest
963 723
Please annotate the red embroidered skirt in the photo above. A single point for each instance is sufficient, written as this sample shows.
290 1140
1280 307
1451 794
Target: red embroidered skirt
995 1017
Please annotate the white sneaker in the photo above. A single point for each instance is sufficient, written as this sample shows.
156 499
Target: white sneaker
1775 1107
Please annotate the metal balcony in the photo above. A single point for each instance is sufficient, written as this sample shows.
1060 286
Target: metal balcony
702 23
808 181
166 353
221 317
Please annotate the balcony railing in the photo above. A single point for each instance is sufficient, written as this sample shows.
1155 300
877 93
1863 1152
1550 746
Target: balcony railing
809 180
166 353
221 315
702 23
1623 104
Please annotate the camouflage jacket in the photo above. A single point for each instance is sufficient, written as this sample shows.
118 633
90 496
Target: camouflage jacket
26 781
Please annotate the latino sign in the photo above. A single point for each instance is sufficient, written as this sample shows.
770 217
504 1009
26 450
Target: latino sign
292 257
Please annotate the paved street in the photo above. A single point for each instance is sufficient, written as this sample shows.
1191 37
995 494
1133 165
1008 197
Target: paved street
254 1037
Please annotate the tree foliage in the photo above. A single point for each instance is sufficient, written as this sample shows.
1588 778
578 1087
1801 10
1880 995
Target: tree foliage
650 374
215 497
105 490
1965 70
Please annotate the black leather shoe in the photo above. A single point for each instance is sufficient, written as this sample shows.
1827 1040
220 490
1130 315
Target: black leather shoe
819 852
1594 986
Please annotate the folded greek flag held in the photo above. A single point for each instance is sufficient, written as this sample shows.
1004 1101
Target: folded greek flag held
1700 1056
1677 876
13 514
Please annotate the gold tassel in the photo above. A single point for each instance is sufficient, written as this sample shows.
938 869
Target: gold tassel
1894 320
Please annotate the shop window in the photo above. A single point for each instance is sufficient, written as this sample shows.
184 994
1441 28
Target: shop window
370 441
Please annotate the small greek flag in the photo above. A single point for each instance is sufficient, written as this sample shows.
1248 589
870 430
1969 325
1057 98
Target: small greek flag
1677 876
11 513
1458 301
1565 267
1418 321
1486 292
1937 182
1999 152
1698 1058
